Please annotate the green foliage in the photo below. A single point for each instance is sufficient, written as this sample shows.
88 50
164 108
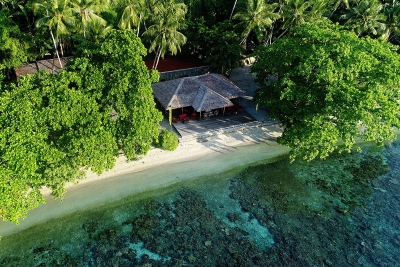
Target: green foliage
258 16
2 76
50 129
121 83
9 4
297 12
56 126
392 13
212 11
56 15
367 18
87 14
12 50
168 17
325 84
223 49
167 140
218 46
111 16
132 14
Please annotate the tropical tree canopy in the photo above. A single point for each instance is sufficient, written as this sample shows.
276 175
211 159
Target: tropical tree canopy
118 78
297 12
132 14
55 126
57 15
12 50
88 12
223 52
258 16
392 12
169 18
330 86
367 17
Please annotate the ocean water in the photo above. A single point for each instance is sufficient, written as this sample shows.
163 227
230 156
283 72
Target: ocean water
342 211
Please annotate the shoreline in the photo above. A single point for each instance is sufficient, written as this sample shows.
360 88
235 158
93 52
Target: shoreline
157 170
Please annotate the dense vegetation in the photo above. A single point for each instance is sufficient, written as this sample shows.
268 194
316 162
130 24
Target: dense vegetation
201 28
54 126
331 85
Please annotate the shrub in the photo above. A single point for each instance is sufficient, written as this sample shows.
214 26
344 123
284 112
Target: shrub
167 140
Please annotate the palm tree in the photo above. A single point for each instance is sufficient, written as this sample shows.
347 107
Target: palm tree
168 18
294 13
154 6
297 12
336 5
257 16
87 11
367 17
57 16
96 31
132 15
392 12
317 11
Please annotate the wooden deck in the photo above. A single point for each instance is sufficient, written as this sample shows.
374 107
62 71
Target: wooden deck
212 124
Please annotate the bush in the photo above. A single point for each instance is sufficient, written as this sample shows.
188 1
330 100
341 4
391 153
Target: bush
167 140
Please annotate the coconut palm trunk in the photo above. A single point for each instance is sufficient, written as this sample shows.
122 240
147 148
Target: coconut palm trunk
138 26
234 5
55 48
157 58
245 38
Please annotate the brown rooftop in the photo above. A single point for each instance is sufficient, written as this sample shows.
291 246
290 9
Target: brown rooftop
46 64
204 92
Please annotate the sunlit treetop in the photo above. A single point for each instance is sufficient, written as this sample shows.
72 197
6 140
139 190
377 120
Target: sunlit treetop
325 84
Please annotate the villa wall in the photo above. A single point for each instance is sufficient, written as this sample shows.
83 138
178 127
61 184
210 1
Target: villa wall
170 75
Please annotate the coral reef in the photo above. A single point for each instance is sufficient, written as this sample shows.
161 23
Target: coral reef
343 211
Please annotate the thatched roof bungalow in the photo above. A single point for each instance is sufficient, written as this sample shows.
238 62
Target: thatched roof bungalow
204 92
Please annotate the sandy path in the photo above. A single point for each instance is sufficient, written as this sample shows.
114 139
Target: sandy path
159 169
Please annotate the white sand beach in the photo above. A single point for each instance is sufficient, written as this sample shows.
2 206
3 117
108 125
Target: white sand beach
158 169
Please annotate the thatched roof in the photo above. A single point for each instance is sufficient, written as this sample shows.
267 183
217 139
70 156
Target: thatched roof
221 85
207 99
46 64
204 92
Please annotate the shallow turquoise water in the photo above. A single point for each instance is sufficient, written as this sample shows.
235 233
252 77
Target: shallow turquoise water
343 211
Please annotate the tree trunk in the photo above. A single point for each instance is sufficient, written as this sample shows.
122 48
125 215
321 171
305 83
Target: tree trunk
61 47
55 47
52 68
144 23
282 33
230 18
269 40
138 27
244 39
157 59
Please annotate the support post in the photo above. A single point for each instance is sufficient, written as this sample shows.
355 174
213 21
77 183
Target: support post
170 115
